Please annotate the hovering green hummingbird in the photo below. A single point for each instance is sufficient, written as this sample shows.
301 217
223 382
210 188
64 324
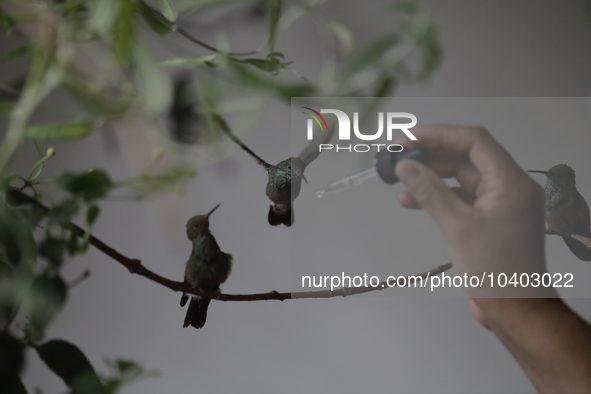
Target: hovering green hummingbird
206 269
285 178
567 211
183 116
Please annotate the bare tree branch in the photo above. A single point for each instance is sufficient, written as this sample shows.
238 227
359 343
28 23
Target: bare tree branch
135 267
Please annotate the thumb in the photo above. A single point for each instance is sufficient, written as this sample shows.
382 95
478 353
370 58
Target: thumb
429 190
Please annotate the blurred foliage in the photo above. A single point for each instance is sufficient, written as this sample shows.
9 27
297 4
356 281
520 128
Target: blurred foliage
70 364
178 97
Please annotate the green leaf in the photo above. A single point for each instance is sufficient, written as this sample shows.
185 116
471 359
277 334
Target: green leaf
273 63
59 131
6 109
28 216
256 80
64 211
7 181
9 237
264 64
11 358
276 55
70 364
148 183
83 247
17 244
432 54
92 214
87 383
6 21
385 87
13 385
6 270
87 185
53 250
188 62
287 91
155 84
107 104
274 13
157 22
73 243
21 51
47 296
123 34
75 10
125 372
168 10
102 14
370 55
344 35
406 7
112 385
128 366
42 78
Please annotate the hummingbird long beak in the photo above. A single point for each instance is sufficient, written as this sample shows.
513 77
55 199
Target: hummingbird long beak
539 172
210 212
301 173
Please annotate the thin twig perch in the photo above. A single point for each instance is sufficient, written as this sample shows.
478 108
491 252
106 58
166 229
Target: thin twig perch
135 267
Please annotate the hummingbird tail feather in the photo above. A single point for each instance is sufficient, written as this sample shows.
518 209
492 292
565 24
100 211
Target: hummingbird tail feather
197 312
275 219
579 249
184 299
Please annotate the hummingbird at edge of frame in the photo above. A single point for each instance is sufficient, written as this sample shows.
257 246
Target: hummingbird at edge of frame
567 211
207 268
285 178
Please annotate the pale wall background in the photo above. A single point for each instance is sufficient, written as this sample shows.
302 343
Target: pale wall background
492 48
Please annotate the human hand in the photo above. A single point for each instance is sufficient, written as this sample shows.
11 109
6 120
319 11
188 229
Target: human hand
494 221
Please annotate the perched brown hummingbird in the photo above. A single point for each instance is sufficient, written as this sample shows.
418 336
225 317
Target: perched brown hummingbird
567 211
206 269
285 178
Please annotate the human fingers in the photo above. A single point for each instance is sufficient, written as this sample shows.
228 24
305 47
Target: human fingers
406 199
489 158
455 167
430 192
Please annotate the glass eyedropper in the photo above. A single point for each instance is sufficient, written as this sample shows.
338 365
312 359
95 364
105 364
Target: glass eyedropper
383 168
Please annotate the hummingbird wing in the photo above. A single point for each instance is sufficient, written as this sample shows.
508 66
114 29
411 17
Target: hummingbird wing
226 129
579 249
582 228
585 220
312 151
